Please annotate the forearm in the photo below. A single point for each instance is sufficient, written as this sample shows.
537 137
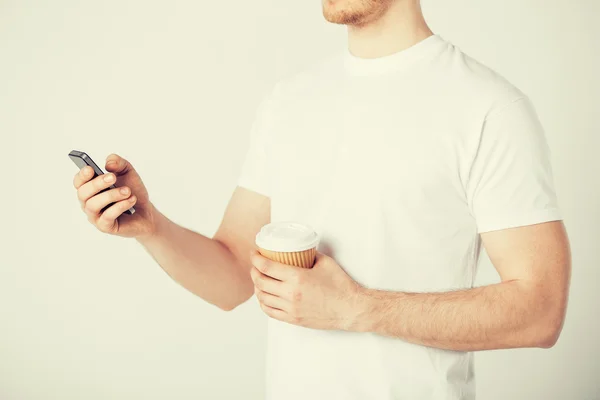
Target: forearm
506 315
204 266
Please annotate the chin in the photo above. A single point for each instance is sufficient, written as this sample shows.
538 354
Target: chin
353 12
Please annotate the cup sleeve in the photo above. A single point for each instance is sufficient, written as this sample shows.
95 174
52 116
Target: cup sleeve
511 181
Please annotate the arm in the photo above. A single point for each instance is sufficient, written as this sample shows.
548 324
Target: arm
526 309
216 269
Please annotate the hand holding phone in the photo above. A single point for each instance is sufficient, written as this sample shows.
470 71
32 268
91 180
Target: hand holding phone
82 160
104 202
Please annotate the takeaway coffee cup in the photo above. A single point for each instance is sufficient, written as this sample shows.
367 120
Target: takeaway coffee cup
288 243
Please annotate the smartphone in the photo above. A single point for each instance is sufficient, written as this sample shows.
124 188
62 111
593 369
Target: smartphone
81 160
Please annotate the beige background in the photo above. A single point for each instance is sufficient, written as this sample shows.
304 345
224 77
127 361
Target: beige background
173 86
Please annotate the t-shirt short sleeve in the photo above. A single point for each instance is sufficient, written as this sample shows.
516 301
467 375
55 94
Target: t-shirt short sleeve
255 168
511 182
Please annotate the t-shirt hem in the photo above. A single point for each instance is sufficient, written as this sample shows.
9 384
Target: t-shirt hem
500 222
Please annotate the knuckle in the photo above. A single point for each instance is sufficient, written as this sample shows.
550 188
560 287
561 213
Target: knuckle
87 208
116 194
265 266
253 274
128 203
260 282
256 279
297 296
80 195
100 183
103 225
297 277
263 298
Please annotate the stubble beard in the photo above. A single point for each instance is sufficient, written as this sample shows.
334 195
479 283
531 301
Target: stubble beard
354 12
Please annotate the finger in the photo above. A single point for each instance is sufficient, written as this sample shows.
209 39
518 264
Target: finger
274 269
270 300
96 204
84 175
117 164
107 220
321 259
95 186
274 312
267 284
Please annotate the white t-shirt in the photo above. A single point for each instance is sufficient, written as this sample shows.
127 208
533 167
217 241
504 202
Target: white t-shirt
399 163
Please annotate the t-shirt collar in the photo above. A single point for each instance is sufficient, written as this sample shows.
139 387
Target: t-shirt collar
355 65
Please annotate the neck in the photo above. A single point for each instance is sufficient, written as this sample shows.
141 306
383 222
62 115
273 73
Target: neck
400 27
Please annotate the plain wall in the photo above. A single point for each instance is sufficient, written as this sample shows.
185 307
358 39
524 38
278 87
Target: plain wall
173 87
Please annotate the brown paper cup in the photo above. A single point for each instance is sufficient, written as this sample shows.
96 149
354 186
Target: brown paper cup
302 259
288 243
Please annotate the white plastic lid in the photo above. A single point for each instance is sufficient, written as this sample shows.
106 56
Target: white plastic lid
286 237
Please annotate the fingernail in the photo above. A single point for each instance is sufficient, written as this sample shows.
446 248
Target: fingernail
109 178
132 199
124 190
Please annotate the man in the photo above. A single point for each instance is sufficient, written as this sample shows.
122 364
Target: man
406 155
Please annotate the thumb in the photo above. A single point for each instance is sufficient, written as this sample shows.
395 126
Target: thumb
321 256
322 259
117 164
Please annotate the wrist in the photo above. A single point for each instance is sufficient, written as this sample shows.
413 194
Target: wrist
157 224
363 318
